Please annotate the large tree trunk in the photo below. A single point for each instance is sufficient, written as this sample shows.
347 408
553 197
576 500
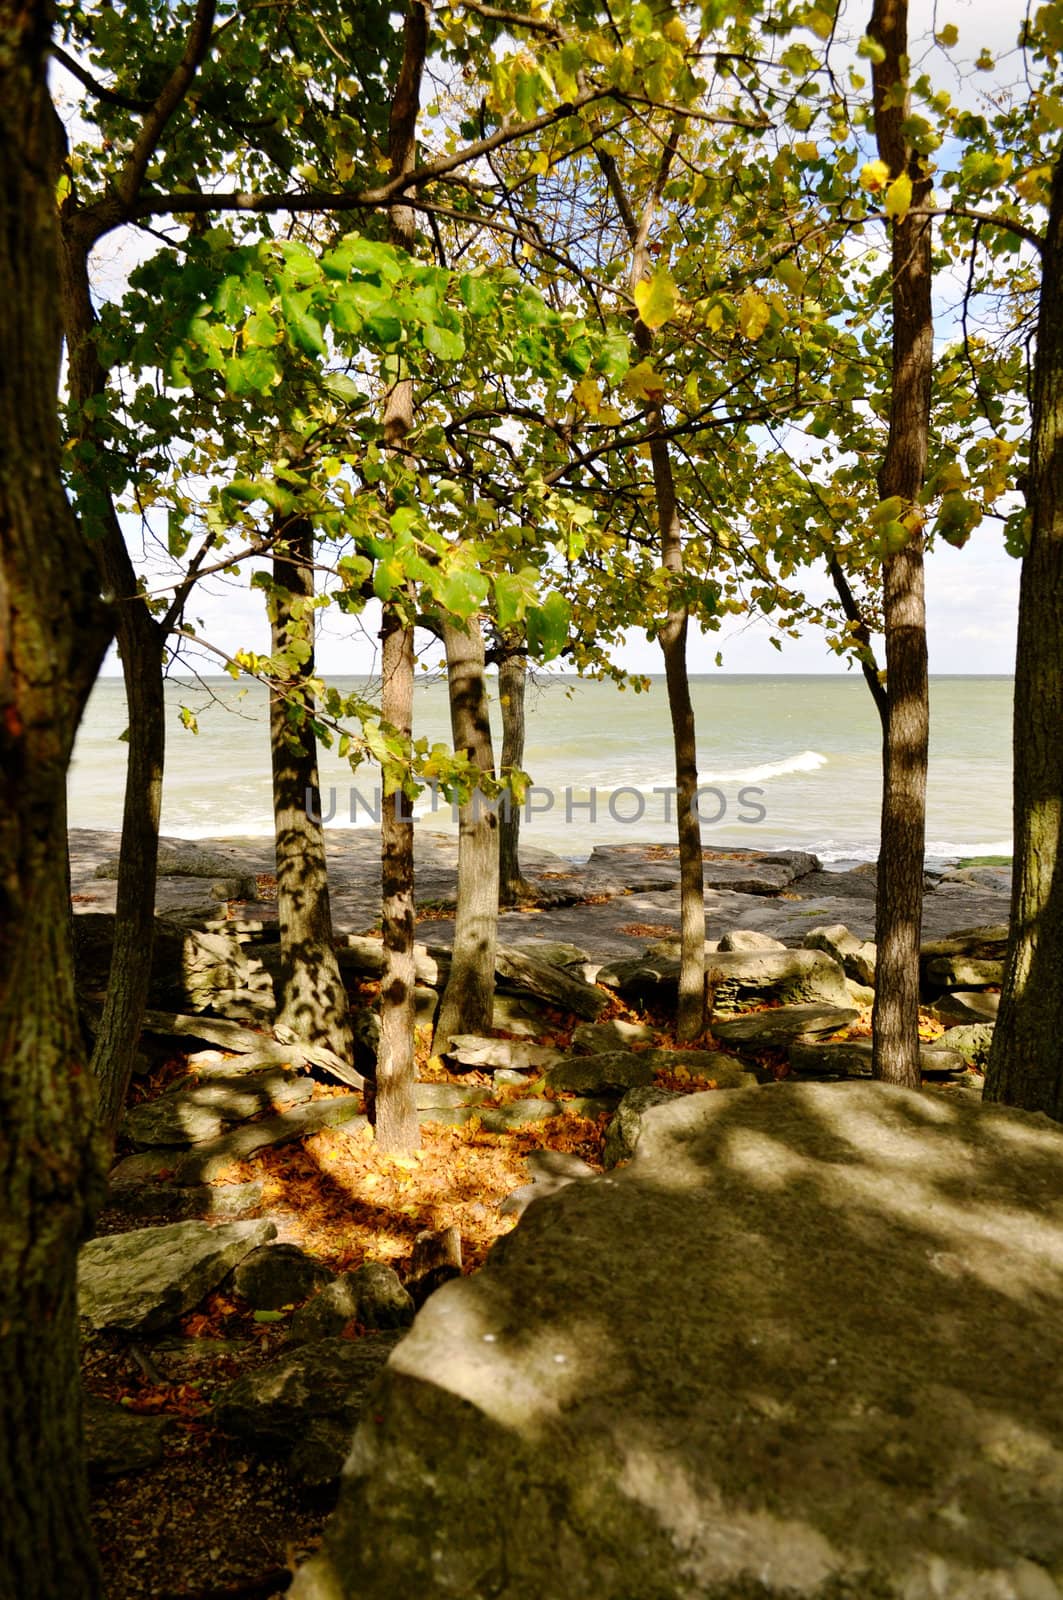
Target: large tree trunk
1026 1062
512 694
397 1127
899 911
467 1005
53 633
312 1000
141 642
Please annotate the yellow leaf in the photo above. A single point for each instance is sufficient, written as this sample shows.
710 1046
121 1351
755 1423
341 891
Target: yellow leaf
806 150
899 197
540 164
642 383
821 23
754 314
656 299
587 394
874 175
948 36
713 317
675 31
790 274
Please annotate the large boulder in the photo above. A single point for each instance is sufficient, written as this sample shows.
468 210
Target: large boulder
278 1275
736 977
779 1028
144 1280
797 1348
192 1112
855 956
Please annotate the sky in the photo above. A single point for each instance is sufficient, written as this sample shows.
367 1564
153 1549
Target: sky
972 594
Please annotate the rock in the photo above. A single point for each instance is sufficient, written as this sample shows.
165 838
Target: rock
472 1050
206 1161
738 976
372 1295
625 1128
966 1006
446 1096
860 994
278 1275
748 939
998 878
774 1030
436 1258
267 1049
856 957
119 1441
984 944
551 1170
362 956
308 1401
520 1114
765 874
616 1034
547 982
521 1014
167 1202
182 859
963 972
791 1350
192 1112
851 1058
143 1280
553 951
972 1042
609 1072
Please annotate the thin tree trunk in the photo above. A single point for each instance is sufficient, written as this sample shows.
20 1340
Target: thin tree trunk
141 642
672 635
397 1127
899 909
1026 1061
53 633
512 694
313 1000
467 1005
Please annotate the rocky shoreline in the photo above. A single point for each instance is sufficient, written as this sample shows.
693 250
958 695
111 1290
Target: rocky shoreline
580 1058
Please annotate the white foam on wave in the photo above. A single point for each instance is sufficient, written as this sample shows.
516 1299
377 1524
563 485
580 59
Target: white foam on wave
804 761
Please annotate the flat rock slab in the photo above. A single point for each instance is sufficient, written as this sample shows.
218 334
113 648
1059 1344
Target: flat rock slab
851 1058
516 1055
118 1441
144 1280
773 1030
305 1405
191 1113
207 1161
837 1389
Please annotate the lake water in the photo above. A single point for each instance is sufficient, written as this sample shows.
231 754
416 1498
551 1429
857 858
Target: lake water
784 761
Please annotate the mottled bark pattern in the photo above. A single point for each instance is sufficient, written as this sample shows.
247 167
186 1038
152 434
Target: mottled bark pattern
397 1127
1026 1063
312 1000
905 740
467 1005
53 632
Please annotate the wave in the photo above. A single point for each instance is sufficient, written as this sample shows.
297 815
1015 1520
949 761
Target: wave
805 761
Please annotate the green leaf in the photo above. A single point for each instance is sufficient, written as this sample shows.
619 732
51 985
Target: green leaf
514 592
479 295
303 329
462 591
370 257
255 372
548 627
341 387
445 343
576 357
614 357
267 1316
260 329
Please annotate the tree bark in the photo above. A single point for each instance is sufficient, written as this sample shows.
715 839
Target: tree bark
1026 1061
53 633
397 1127
512 694
467 1005
313 1000
899 909
141 643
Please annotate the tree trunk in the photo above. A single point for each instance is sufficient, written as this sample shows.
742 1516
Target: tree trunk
467 1005
690 1015
397 1127
1026 1061
899 910
512 691
53 633
141 642
312 1000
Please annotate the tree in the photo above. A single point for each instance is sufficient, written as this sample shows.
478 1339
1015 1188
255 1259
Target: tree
1026 1062
53 633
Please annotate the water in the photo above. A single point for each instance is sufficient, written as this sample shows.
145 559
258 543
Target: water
803 751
